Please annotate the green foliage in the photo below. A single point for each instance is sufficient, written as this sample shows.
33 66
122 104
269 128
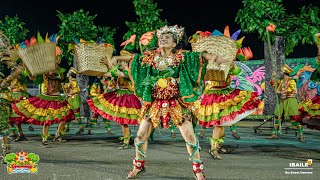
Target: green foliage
33 157
14 29
148 20
10 157
75 26
80 25
39 79
302 28
294 28
105 34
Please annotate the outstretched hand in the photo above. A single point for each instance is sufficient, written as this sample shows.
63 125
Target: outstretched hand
104 61
221 60
109 62
211 58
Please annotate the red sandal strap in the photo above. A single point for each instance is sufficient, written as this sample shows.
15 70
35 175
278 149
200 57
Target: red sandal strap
138 164
197 167
131 174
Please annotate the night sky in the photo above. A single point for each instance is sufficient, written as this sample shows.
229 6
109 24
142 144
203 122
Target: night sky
204 15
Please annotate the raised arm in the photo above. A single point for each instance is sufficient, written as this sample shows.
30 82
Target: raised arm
15 73
214 58
113 61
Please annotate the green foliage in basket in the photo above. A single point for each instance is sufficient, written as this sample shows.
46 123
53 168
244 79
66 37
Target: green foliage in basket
80 25
149 20
295 28
105 34
14 29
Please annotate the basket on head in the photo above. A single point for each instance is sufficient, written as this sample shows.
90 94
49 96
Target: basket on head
221 46
88 56
39 58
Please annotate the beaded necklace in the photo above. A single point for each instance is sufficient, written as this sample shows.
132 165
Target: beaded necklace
162 62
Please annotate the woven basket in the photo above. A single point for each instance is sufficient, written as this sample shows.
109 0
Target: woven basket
216 72
221 46
88 56
39 58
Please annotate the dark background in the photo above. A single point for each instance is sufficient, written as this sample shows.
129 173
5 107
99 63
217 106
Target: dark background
204 15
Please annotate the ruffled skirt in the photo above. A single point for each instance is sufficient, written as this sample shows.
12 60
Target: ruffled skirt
121 106
225 107
44 110
310 113
17 96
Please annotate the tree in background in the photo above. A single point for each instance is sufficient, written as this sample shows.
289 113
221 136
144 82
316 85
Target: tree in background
291 29
148 20
14 29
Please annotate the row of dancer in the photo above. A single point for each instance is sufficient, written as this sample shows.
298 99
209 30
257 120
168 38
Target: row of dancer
171 95
153 88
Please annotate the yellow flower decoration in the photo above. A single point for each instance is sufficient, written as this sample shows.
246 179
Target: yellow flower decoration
162 83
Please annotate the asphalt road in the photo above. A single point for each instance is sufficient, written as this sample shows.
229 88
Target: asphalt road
95 157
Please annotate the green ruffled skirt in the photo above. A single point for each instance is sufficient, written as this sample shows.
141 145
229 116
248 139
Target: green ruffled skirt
74 101
287 107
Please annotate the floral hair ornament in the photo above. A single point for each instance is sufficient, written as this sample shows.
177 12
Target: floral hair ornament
175 30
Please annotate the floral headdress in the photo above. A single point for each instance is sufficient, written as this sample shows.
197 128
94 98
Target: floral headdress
175 30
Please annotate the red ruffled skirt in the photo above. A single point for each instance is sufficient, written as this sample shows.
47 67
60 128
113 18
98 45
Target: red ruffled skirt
17 96
121 106
43 110
310 113
225 107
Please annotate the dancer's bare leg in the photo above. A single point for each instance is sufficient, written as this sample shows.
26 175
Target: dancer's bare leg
21 136
5 148
215 141
126 137
45 135
187 132
59 132
141 143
